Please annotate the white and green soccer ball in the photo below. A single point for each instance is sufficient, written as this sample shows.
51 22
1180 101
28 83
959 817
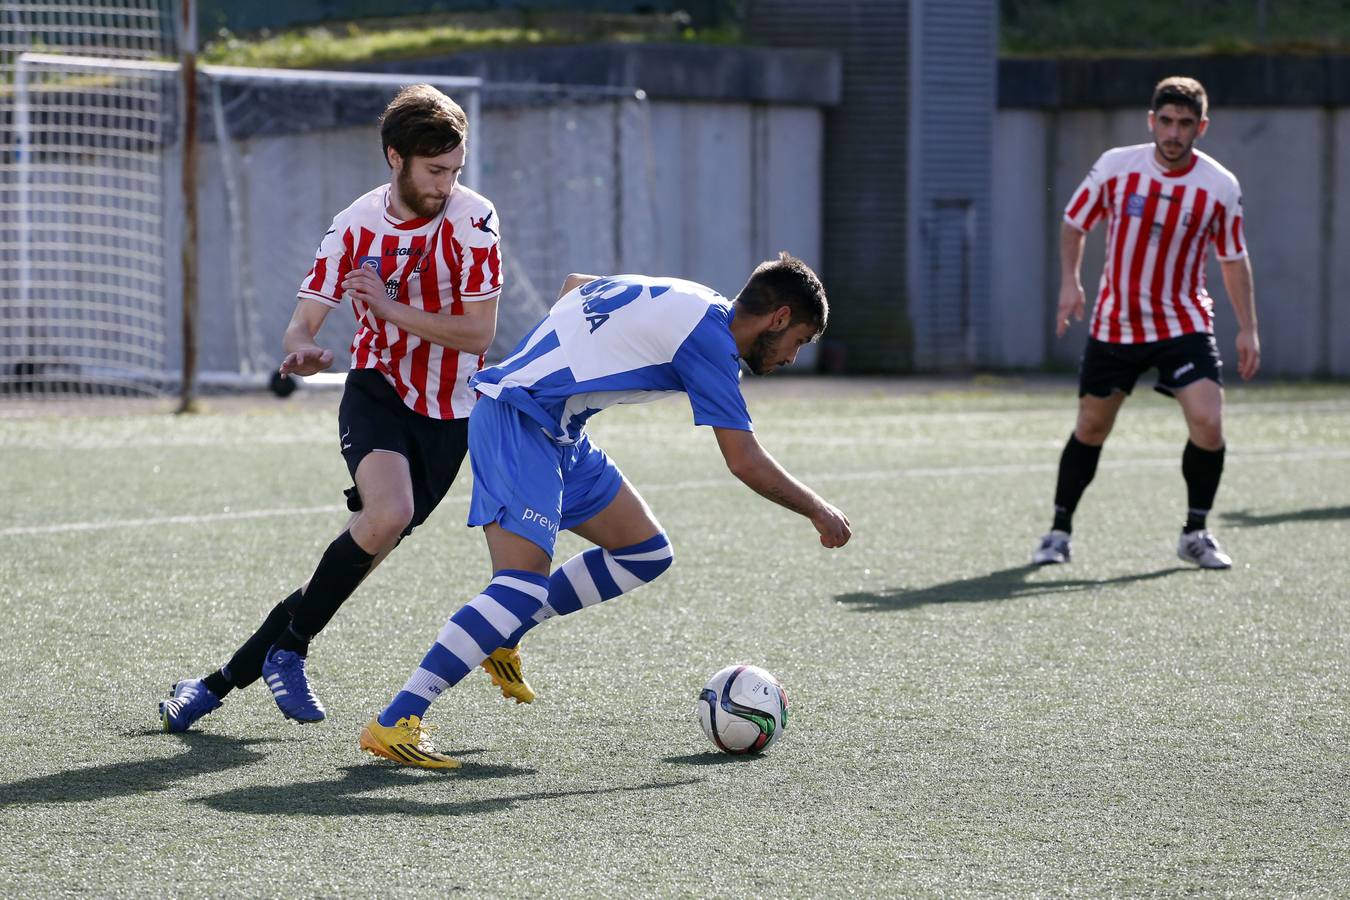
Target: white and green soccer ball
743 709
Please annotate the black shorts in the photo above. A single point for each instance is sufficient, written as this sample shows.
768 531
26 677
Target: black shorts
1180 361
372 417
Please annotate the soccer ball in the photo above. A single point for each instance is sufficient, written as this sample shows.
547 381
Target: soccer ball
743 709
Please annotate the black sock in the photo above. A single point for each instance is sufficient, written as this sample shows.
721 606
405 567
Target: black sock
218 683
245 667
340 570
1202 470
1077 466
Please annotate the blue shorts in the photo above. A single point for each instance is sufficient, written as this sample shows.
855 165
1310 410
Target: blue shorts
528 484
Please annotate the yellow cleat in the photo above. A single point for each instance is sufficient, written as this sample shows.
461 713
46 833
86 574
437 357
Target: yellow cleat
407 742
504 667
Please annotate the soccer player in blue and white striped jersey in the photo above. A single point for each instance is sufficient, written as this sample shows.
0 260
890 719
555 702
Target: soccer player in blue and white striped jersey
619 339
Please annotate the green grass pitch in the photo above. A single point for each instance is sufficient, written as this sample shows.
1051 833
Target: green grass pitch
961 724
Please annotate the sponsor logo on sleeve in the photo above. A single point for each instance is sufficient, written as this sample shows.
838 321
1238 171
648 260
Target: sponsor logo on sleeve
482 224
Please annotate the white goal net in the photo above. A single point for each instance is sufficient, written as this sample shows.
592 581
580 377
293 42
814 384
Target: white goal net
94 211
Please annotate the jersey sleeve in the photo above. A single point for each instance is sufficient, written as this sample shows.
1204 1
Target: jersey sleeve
706 363
478 242
1088 204
332 261
1229 240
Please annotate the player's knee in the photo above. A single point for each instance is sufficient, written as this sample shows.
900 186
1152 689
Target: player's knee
1207 433
1092 432
649 559
386 520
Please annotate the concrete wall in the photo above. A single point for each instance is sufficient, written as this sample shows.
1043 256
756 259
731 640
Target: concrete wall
1294 166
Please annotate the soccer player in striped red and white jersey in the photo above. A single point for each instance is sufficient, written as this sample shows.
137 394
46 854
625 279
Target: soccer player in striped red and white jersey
429 246
1164 204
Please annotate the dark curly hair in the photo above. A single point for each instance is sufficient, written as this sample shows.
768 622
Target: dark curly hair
786 281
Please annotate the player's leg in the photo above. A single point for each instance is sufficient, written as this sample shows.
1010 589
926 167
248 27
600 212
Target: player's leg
519 585
599 505
384 486
1107 374
517 493
367 422
631 550
1202 459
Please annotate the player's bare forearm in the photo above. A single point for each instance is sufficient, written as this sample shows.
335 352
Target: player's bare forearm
574 281
1237 281
1071 304
471 332
760 472
302 356
1071 242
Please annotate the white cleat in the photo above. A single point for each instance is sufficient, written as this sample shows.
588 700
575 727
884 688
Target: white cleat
1054 548
1199 547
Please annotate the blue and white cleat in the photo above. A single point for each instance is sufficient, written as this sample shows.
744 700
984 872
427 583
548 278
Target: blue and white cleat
188 701
284 674
1055 548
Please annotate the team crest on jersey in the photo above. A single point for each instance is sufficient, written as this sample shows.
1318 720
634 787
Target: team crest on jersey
1134 204
369 262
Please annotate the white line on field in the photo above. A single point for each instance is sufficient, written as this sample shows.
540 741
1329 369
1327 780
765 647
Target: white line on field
1328 453
621 426
159 521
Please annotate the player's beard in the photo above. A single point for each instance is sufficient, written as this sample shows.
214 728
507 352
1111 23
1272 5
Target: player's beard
424 206
1176 155
764 347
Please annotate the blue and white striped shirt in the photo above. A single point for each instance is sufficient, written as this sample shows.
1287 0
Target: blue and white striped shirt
624 339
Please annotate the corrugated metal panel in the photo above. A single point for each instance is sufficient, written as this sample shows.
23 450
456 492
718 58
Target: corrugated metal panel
955 81
907 174
865 162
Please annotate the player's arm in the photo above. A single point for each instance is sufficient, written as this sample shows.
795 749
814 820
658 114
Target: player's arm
303 355
753 465
1237 281
1071 300
471 332
574 281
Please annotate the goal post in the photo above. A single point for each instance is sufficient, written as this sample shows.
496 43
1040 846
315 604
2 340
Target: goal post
282 151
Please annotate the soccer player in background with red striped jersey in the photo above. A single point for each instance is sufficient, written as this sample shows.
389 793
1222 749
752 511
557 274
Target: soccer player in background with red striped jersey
403 420
1164 204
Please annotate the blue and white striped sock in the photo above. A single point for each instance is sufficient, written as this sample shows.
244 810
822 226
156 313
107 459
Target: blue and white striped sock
474 631
598 575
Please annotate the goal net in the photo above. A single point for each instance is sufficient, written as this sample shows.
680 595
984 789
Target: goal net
92 189
82 200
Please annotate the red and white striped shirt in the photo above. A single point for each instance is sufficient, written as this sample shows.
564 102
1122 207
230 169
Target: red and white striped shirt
430 264
1159 227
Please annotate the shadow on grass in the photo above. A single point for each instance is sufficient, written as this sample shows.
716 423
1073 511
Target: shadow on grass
1005 584
340 796
205 754
711 758
1243 519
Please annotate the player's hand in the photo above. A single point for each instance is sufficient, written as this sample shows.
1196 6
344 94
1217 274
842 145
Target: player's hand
363 284
1070 305
306 361
833 526
1249 353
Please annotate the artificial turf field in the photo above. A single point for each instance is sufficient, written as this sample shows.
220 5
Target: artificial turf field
961 723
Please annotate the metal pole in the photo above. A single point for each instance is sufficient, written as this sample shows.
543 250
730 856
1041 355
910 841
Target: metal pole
188 107
23 139
474 114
